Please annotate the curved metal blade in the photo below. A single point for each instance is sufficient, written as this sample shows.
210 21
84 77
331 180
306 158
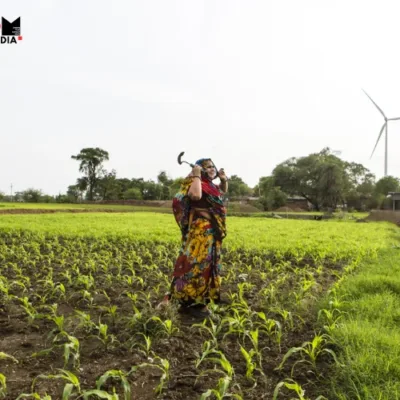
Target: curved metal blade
376 105
380 134
180 157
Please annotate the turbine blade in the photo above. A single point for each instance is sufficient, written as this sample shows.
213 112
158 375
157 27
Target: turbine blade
380 134
376 105
393 119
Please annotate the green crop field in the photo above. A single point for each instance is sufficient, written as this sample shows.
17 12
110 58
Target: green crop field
234 208
78 316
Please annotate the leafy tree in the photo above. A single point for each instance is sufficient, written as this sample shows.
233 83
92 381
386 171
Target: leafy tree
46 198
64 198
271 196
387 184
32 195
133 194
319 177
238 188
123 185
91 164
74 193
165 184
108 187
150 190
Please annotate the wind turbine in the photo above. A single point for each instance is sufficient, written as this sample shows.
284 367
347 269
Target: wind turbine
385 125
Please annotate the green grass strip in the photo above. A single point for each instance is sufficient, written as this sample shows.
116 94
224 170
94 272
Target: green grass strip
369 332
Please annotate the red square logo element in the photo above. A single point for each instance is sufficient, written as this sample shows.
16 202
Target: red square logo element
19 37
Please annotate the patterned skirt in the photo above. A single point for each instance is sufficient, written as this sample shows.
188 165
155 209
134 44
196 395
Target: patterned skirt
196 277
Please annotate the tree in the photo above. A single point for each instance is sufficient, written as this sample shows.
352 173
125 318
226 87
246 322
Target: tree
91 164
32 195
123 185
321 178
272 196
132 194
107 186
360 192
164 183
387 184
238 188
150 190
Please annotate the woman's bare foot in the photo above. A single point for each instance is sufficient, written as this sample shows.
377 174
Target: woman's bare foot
163 304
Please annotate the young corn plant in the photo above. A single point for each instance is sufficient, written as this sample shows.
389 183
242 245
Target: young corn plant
103 335
168 328
135 319
222 391
59 291
214 330
5 295
331 318
238 323
87 296
209 347
309 351
112 312
30 310
293 386
253 335
3 386
85 321
226 366
35 396
119 376
251 366
5 356
146 347
71 347
165 369
73 383
287 316
57 319
101 394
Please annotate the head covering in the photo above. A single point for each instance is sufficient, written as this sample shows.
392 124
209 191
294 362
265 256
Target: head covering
182 204
202 162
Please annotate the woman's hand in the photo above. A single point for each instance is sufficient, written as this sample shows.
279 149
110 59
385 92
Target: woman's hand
197 170
222 175
195 190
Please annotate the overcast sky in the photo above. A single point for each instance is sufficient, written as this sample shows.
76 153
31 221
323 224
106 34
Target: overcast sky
248 83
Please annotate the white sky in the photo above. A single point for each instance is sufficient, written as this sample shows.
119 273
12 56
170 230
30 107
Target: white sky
248 83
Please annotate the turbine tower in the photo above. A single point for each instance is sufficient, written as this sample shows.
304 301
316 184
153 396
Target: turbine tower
384 126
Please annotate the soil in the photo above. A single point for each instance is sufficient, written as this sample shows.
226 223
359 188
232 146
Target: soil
22 339
384 215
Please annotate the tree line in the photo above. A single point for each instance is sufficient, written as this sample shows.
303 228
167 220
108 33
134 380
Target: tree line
323 179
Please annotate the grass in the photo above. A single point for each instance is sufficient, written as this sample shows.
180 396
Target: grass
64 206
368 297
233 209
335 238
368 334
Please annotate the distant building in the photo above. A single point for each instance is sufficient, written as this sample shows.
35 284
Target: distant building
395 197
298 202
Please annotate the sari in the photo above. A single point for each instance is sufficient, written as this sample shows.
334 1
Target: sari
196 277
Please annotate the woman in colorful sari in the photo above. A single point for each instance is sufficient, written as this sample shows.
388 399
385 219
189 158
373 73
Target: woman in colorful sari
200 214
